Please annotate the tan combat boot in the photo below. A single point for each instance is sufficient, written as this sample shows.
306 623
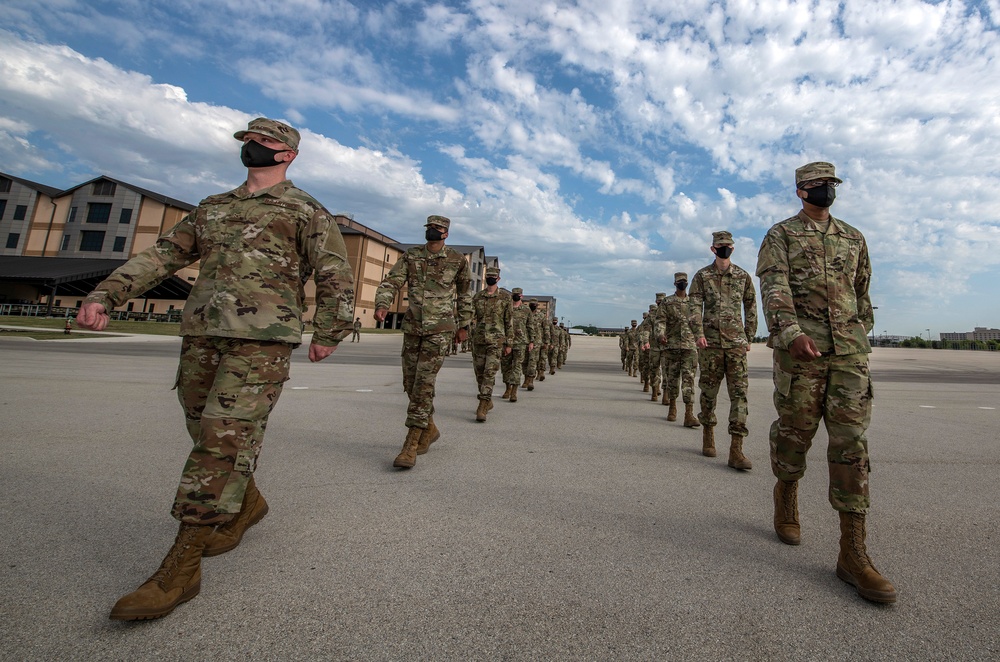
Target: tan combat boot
513 393
524 384
541 375
482 410
690 420
708 441
408 456
855 567
228 535
672 412
666 398
552 371
506 393
531 384
428 436
786 511
177 581
737 460
656 392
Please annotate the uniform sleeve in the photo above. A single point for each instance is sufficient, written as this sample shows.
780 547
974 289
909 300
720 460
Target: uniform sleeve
334 278
775 292
508 322
393 283
696 304
174 250
463 287
749 310
862 281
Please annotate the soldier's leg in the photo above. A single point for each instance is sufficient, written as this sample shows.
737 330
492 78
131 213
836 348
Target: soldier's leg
231 420
689 367
737 382
713 367
491 363
847 412
430 357
799 393
410 354
479 364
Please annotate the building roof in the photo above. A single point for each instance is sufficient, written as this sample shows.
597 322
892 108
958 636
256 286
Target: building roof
74 275
152 195
50 191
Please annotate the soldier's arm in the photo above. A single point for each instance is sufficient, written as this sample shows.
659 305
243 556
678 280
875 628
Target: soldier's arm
862 281
463 287
391 284
174 250
334 278
749 310
775 292
696 302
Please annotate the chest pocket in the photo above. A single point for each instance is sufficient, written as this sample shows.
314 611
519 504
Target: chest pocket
806 256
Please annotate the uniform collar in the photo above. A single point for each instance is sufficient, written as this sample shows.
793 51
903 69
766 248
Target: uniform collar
276 191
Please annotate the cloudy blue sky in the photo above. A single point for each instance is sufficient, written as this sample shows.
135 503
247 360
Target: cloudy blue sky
594 145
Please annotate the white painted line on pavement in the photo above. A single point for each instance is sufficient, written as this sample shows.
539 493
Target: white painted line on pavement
363 390
928 407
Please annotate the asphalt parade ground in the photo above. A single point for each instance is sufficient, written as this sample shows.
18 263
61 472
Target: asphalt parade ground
575 524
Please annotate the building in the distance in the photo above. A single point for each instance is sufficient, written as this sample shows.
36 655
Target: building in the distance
980 333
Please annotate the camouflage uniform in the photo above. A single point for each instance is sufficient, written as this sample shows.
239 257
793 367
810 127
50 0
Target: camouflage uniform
545 340
564 345
815 282
492 330
679 350
655 348
716 300
643 353
535 323
438 287
240 324
554 348
511 363
621 347
631 349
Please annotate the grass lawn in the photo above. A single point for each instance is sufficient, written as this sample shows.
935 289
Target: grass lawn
149 328
44 335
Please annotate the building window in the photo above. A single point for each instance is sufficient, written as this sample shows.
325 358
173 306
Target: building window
126 216
72 215
104 187
12 239
119 244
129 307
65 245
20 212
58 302
91 241
152 307
5 185
98 212
3 207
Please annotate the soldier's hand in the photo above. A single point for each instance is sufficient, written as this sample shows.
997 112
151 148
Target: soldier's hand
662 340
531 346
507 350
803 349
380 314
702 343
320 352
462 335
93 316
645 347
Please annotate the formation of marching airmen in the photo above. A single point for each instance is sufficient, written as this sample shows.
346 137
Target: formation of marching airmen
711 326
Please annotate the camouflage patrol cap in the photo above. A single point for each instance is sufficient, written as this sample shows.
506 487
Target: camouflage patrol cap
517 290
652 307
633 321
493 271
660 296
645 314
680 275
532 300
722 237
816 170
272 129
440 221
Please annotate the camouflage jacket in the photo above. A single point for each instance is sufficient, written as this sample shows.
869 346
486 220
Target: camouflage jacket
534 324
257 250
632 338
645 330
438 288
816 284
492 318
544 328
522 329
671 322
715 308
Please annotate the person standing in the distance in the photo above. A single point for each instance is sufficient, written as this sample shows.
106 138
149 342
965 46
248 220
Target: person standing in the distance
544 338
655 350
680 351
535 322
257 244
356 335
438 282
631 349
492 334
522 342
723 335
814 275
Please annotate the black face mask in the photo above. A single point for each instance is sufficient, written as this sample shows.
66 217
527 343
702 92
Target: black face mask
516 297
433 234
723 251
821 196
533 306
681 285
255 155
490 280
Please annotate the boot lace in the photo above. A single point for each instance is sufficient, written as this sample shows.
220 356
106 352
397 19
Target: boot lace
791 503
172 561
858 542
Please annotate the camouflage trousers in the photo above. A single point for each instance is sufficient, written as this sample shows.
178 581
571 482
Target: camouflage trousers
227 388
624 354
553 358
530 361
511 364
486 363
422 359
837 389
562 357
679 368
653 367
630 359
644 363
732 364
